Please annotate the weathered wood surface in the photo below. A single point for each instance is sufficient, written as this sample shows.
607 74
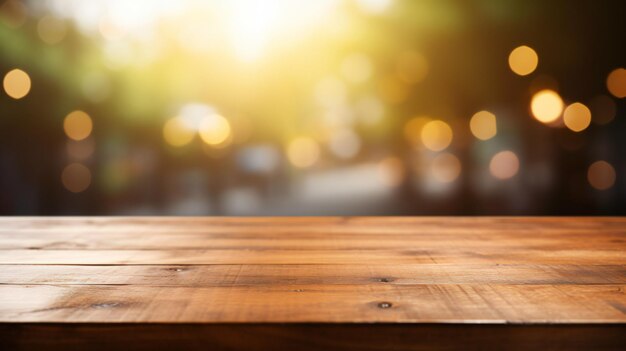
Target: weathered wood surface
280 276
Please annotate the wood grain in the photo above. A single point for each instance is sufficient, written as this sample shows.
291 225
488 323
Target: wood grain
442 303
250 275
312 281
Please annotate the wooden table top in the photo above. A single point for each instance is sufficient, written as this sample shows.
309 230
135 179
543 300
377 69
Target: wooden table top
313 270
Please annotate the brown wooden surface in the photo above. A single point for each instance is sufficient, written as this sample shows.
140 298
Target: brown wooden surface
281 279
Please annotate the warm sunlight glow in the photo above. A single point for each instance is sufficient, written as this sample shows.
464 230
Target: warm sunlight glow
253 25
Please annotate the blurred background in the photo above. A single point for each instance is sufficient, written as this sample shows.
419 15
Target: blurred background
325 107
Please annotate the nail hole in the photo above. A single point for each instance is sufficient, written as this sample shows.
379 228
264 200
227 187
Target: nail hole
385 305
385 280
176 269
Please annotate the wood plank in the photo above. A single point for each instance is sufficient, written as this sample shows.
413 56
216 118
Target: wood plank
286 225
448 303
265 275
311 337
284 256
296 240
275 281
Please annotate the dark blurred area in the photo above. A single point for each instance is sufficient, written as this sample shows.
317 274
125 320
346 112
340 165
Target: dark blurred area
355 107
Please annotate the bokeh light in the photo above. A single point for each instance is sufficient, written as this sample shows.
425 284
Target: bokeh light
215 130
16 83
76 177
446 168
523 60
616 83
177 133
601 175
296 107
436 135
303 152
77 125
483 125
80 150
392 171
504 165
345 143
577 117
51 29
546 106
13 13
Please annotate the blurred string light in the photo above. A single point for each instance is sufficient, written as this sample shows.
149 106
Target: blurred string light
577 117
51 29
77 125
17 83
436 135
601 175
616 83
483 125
445 167
215 130
546 106
76 177
504 165
177 133
303 152
523 60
